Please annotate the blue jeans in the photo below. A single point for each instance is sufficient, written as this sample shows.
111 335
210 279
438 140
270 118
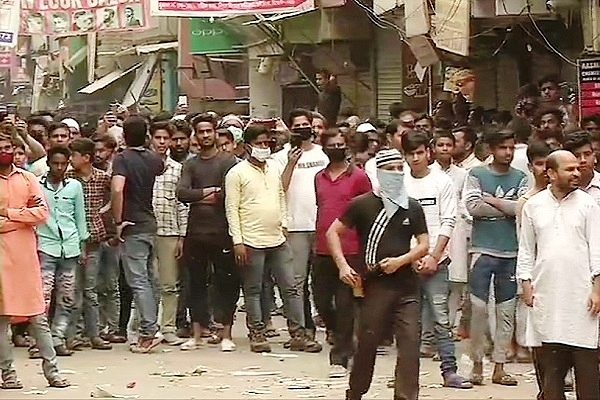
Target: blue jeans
107 287
503 271
434 303
505 291
58 276
137 256
86 298
276 261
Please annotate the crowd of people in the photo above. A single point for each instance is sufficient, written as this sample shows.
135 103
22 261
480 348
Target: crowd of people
425 229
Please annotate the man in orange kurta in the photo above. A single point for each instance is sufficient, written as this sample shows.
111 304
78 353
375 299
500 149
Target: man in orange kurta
22 207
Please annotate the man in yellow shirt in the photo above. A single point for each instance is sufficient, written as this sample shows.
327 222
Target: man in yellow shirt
255 206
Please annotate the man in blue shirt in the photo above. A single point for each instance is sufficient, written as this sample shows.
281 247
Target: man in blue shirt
60 241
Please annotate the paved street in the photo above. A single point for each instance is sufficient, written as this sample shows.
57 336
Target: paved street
162 375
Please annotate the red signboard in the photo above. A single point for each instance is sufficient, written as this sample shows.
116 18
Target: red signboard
588 71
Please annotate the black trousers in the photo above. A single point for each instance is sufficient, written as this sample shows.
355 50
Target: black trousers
336 305
199 255
552 362
184 297
126 296
383 302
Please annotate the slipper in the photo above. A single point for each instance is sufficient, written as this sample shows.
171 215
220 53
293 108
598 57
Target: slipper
58 382
477 379
505 380
11 382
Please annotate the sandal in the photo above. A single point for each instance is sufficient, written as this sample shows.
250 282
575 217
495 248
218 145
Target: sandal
58 382
271 333
476 379
34 353
505 380
11 382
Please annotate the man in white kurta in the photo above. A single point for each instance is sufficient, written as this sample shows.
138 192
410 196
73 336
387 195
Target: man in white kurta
558 266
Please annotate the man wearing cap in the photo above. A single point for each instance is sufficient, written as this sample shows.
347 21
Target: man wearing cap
74 128
386 222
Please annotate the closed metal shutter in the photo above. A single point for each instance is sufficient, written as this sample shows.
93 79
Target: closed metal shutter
388 70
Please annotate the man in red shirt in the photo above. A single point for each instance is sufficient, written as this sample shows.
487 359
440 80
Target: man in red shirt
336 186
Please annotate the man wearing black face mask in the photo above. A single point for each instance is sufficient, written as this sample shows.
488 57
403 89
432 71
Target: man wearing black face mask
336 186
299 164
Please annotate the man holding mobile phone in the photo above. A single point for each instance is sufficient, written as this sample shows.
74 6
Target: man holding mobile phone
300 163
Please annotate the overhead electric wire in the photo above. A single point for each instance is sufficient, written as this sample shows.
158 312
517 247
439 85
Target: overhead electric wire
545 39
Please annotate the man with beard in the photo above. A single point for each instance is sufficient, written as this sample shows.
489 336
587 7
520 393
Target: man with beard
171 219
106 148
109 298
386 222
580 144
180 141
464 148
21 292
207 241
560 228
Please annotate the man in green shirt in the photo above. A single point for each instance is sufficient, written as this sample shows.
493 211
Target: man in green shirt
60 241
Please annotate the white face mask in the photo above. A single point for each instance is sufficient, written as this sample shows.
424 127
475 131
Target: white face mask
392 191
260 154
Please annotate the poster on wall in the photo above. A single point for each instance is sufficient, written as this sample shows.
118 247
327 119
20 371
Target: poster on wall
10 12
78 17
221 8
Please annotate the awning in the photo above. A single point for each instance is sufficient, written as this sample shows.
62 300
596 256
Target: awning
143 76
153 48
107 80
147 49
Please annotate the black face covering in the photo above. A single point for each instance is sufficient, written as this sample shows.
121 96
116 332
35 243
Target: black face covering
303 133
335 155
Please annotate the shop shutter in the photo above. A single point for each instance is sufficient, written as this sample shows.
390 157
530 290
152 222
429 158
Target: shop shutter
388 70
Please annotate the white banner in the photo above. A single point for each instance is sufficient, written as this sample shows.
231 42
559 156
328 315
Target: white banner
452 26
10 18
220 8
